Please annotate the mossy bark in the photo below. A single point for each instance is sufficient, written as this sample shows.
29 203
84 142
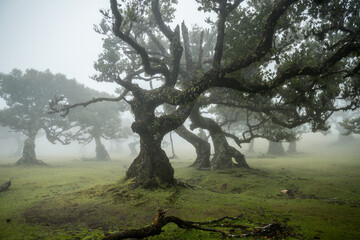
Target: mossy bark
276 148
224 153
151 168
201 146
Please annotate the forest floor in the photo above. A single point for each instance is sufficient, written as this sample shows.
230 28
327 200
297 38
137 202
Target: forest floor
72 199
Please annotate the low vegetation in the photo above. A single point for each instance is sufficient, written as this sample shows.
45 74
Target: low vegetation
87 200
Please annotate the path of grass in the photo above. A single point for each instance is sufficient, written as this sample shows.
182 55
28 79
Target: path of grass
79 200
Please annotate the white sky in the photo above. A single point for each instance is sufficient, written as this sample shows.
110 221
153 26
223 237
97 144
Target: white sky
59 35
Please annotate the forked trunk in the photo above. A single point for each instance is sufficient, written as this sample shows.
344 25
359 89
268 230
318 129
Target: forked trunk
224 154
151 168
101 152
29 156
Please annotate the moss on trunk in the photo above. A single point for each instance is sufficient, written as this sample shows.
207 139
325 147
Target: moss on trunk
151 168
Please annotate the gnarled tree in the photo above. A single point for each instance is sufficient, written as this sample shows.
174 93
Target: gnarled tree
305 55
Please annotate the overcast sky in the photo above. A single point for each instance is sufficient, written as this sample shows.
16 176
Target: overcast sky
59 35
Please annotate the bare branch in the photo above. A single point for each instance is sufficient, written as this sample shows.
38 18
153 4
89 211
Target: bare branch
166 30
64 109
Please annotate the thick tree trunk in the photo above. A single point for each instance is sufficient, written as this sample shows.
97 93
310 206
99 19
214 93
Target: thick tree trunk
101 152
276 148
201 146
29 156
224 153
292 147
151 168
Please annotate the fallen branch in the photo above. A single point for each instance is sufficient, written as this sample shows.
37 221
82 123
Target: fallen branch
160 221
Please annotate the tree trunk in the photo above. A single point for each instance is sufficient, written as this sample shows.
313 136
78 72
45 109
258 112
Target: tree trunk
224 153
101 152
151 168
201 146
276 148
29 156
292 147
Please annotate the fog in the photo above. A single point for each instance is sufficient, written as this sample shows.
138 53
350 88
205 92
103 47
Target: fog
59 36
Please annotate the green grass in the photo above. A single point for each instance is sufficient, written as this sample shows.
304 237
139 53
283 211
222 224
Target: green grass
83 200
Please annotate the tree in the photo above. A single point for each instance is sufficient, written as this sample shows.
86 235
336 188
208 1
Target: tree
97 121
351 125
27 97
305 56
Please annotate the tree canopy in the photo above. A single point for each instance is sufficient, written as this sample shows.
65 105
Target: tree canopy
290 60
28 95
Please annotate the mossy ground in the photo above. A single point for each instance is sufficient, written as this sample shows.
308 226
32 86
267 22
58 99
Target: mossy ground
83 200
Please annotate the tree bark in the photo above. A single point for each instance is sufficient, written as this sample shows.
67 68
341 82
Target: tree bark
276 148
224 153
201 146
29 156
101 152
151 168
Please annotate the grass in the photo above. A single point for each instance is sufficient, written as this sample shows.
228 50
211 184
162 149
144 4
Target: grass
84 200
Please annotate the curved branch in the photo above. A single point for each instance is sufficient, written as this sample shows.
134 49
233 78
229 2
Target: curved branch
64 109
267 38
139 49
166 30
220 34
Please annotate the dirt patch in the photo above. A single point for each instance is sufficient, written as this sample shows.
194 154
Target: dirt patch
58 214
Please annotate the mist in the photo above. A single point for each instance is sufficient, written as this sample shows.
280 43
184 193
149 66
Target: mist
230 119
